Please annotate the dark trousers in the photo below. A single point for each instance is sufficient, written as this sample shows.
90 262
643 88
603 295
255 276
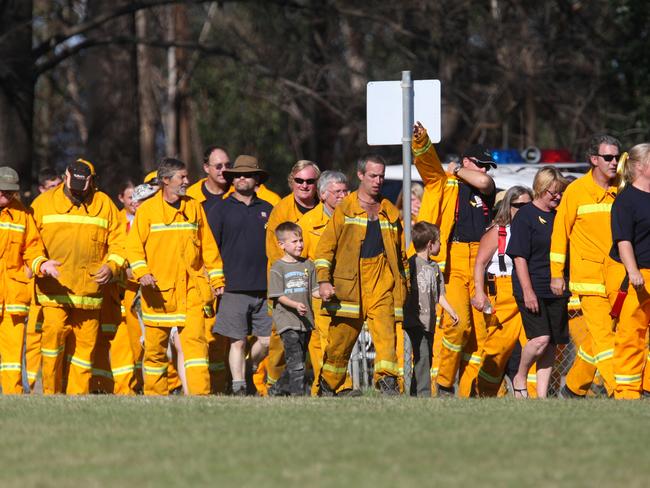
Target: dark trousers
422 348
295 343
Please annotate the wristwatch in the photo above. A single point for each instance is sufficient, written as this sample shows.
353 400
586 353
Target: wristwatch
457 169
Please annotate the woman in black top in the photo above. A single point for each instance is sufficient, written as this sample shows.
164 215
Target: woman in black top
544 314
631 246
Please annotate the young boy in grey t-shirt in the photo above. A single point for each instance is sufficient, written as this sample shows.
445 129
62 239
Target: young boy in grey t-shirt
292 283
427 290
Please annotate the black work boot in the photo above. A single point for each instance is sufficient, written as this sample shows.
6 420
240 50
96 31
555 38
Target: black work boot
388 386
324 389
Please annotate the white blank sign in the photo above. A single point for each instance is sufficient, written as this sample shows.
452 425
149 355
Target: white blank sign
384 110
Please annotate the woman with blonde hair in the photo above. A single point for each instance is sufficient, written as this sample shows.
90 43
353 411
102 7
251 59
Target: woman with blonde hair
493 274
631 247
417 192
544 315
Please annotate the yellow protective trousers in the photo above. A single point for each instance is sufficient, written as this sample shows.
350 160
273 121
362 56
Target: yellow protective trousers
504 329
195 351
217 354
630 345
437 348
114 364
583 370
378 311
276 362
465 340
595 310
134 332
33 344
72 331
12 335
317 346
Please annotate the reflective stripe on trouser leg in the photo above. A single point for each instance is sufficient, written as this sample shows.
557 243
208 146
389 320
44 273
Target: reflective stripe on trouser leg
155 361
33 344
276 363
582 372
195 350
595 311
343 333
102 378
12 333
55 330
630 351
503 332
122 362
83 332
459 270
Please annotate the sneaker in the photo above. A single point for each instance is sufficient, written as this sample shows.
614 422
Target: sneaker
239 393
324 390
388 386
444 392
349 392
566 393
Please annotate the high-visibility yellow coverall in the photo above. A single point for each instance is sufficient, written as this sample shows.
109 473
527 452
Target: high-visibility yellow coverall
178 249
456 259
371 289
582 225
20 246
313 224
82 238
33 333
285 211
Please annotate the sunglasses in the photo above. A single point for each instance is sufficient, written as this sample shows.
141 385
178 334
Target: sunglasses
518 204
221 165
309 181
609 157
555 194
234 176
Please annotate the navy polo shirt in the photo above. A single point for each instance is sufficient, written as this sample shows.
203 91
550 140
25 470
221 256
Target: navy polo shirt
240 232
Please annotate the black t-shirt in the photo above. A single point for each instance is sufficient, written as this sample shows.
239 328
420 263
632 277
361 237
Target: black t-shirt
631 222
176 204
240 232
372 244
530 238
301 209
210 198
474 213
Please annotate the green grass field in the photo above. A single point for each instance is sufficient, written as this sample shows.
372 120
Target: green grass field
369 441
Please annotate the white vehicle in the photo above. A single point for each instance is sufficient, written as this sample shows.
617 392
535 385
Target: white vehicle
505 175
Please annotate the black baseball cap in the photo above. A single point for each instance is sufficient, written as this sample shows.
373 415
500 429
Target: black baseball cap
480 155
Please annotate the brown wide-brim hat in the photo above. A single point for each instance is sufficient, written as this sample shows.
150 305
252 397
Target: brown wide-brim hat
245 164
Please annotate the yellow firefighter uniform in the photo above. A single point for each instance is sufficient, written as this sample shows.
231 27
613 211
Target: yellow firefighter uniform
583 370
313 224
178 249
285 211
582 225
461 345
33 333
20 246
372 289
82 238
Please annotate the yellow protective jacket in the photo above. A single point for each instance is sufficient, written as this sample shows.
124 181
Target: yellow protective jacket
176 246
82 238
285 211
313 224
337 255
440 194
582 224
196 192
20 246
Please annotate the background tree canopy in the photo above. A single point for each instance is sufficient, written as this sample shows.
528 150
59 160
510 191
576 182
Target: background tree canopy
124 82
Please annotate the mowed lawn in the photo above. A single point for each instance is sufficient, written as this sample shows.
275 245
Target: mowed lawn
369 441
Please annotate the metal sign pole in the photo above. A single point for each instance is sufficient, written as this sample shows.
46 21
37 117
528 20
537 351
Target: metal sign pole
407 130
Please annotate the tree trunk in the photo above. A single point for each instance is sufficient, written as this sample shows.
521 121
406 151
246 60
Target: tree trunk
111 81
147 102
16 88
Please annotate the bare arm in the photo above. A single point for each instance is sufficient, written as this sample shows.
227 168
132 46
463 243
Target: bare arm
530 299
446 306
301 308
487 247
479 180
626 251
